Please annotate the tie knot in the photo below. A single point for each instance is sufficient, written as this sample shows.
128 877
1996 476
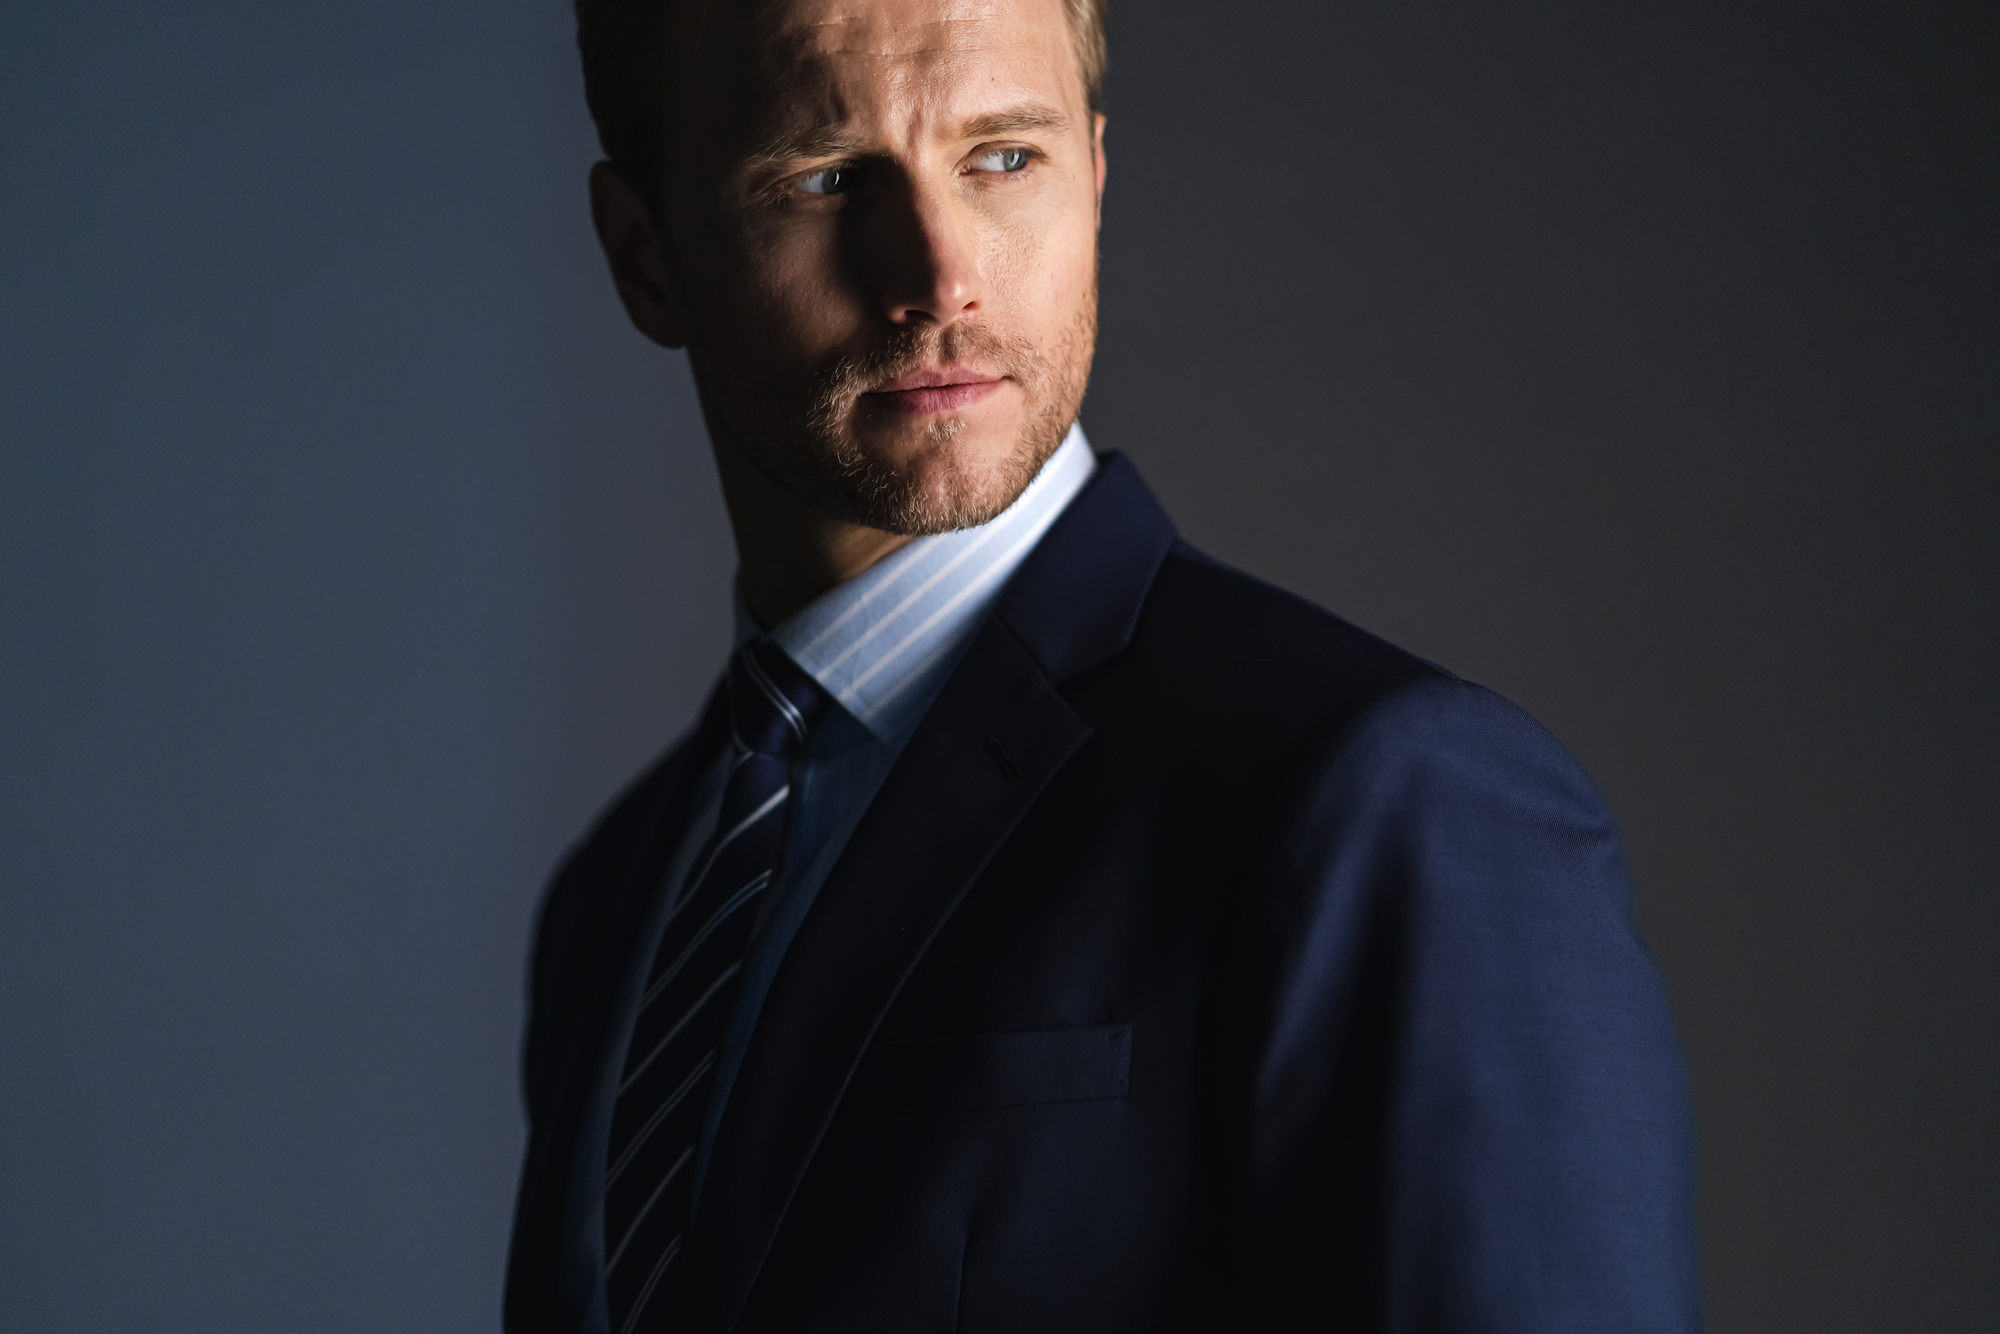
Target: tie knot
773 704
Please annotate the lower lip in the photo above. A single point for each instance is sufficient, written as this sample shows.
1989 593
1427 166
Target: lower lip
938 398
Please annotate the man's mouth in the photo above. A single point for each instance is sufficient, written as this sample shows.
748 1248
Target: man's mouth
939 389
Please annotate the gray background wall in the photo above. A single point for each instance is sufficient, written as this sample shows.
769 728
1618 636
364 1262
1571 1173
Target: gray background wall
1637 360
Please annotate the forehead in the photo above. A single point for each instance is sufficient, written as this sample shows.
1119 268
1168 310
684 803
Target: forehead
919 33
784 64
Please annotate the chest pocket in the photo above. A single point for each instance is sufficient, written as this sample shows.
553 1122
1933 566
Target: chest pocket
1006 1069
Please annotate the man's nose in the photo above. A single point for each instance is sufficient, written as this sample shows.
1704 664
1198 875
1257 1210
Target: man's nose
926 259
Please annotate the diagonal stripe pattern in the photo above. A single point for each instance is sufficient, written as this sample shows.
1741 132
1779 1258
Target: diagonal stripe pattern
669 1068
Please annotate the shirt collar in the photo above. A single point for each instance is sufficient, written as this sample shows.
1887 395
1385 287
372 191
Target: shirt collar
882 642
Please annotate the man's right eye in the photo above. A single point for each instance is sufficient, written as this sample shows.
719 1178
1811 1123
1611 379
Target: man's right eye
826 181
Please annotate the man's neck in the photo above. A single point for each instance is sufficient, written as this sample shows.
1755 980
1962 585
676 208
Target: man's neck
786 554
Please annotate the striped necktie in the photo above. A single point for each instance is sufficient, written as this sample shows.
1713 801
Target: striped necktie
691 989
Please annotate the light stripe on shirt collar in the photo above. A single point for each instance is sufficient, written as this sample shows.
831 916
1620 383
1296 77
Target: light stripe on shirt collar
874 639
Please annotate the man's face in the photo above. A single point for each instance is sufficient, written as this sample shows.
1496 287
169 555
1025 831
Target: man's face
881 246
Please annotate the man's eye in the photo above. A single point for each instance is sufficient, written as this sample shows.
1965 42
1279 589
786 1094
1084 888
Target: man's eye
826 181
1002 160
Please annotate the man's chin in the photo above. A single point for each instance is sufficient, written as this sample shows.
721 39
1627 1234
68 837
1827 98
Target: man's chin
940 474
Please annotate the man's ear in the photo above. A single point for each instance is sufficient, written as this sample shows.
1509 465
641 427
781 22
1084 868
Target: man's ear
1097 156
638 255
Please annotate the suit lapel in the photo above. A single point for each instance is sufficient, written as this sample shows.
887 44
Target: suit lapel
591 920
989 745
994 738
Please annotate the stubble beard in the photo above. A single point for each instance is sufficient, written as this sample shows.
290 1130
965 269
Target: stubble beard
806 445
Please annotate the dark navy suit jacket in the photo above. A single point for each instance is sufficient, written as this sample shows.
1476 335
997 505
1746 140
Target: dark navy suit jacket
1204 963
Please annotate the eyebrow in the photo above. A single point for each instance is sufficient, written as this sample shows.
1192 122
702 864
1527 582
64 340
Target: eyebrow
783 149
1014 120
789 146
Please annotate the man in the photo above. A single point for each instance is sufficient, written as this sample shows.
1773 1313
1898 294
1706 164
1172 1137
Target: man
1044 928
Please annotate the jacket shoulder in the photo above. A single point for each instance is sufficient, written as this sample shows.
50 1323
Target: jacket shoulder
1216 644
1364 726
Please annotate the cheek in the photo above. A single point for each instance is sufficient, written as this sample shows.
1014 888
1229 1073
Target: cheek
1045 264
781 292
